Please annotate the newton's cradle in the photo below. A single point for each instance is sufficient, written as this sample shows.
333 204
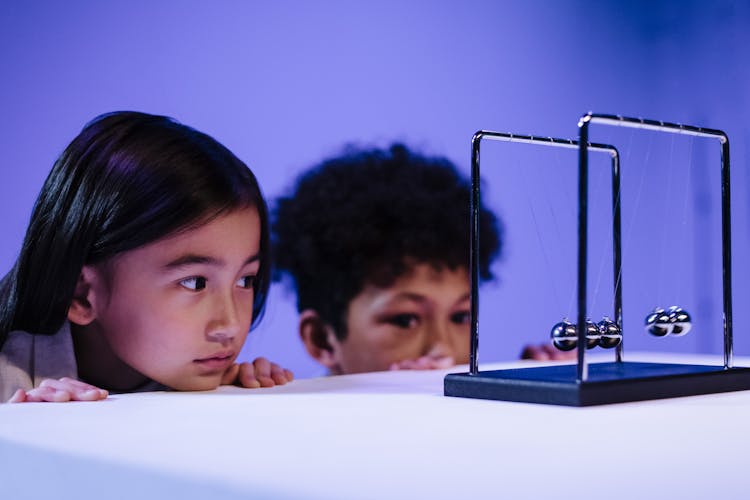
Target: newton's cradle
583 383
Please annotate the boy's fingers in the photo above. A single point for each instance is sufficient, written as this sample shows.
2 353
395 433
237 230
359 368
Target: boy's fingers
423 363
442 362
535 352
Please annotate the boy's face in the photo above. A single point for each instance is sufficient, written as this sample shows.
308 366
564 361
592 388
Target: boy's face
421 321
177 310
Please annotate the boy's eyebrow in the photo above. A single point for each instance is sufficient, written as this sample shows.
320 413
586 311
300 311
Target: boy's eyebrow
416 297
189 259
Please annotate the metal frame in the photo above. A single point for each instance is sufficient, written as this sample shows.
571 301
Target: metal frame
474 231
726 228
608 382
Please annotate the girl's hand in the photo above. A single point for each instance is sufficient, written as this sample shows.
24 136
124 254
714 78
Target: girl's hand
547 352
59 391
259 373
424 363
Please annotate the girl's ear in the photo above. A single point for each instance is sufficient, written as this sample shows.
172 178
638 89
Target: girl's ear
320 340
82 310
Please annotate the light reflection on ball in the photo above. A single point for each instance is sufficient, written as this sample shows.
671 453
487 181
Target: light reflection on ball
657 323
564 336
674 321
680 321
592 335
611 334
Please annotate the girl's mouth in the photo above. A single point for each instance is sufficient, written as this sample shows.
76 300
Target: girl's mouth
216 362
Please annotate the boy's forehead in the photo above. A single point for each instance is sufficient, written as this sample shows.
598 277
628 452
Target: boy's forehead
418 281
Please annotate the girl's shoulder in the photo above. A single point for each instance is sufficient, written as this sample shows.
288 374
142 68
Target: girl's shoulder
26 359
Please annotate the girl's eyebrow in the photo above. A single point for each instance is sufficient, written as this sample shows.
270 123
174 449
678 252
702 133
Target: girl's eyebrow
191 259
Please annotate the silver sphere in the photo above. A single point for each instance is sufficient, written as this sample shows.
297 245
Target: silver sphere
658 324
592 335
564 335
611 334
680 321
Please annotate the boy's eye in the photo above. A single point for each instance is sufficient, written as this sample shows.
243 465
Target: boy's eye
404 320
194 283
246 281
461 318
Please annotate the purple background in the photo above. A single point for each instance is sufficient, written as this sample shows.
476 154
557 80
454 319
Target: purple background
284 83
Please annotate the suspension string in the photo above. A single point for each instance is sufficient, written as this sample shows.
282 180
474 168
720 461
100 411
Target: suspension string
602 258
636 203
547 263
684 216
667 203
571 203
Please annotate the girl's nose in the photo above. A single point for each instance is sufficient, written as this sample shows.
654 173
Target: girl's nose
225 322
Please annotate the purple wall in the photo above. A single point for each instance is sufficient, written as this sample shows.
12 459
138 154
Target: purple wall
284 83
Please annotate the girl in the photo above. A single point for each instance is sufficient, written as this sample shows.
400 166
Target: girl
144 266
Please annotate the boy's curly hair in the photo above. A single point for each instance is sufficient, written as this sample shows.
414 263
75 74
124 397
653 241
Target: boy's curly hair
367 217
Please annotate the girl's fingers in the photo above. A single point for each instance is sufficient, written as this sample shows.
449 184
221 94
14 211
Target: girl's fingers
68 389
48 394
263 372
247 376
231 375
82 391
262 367
18 397
278 374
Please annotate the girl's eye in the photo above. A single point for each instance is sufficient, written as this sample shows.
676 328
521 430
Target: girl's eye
461 318
404 320
246 282
195 283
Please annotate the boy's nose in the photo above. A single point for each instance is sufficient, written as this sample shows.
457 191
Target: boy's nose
439 343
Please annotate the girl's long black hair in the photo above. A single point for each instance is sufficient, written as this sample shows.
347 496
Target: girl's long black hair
126 180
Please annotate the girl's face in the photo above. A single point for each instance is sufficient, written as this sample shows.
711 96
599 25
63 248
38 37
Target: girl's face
176 311
424 315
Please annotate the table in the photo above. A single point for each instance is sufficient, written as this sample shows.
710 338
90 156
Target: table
378 435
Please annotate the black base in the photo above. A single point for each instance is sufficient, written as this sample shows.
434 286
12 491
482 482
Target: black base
607 383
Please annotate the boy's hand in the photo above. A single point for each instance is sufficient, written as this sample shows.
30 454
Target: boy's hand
547 352
259 373
59 391
424 363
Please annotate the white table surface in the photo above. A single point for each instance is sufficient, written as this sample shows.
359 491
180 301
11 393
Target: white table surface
379 435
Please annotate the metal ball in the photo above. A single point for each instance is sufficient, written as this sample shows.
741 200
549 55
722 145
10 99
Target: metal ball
680 321
564 335
658 324
611 334
592 335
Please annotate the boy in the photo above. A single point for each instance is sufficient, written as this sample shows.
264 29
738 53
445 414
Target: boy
376 243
